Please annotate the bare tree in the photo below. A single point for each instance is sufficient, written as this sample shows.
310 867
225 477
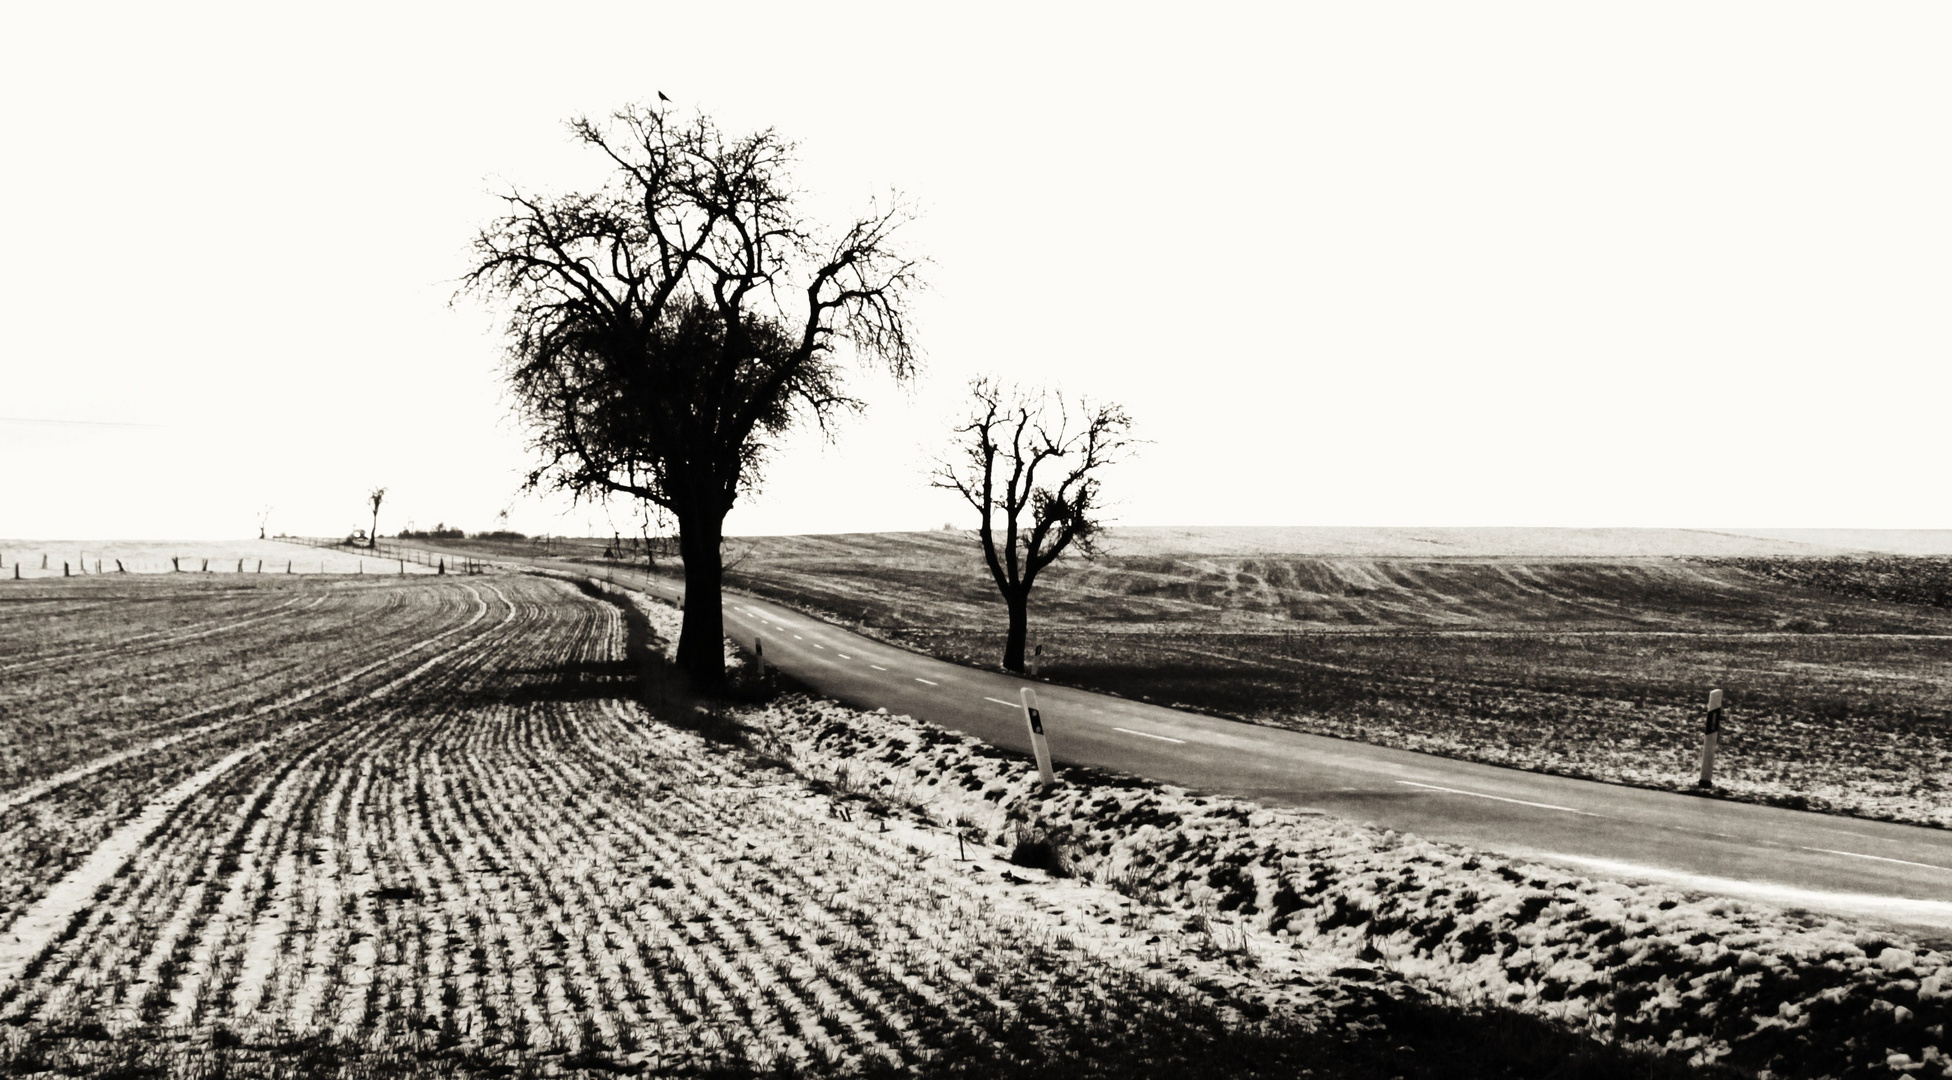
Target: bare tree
373 534
666 327
264 515
1031 451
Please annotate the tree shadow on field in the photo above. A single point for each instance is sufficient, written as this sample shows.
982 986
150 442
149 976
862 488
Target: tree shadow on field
642 674
573 681
646 676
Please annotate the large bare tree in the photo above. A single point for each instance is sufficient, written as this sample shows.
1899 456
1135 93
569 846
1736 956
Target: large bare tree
1031 459
666 327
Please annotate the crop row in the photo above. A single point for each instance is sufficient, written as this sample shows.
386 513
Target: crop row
147 681
51 825
494 852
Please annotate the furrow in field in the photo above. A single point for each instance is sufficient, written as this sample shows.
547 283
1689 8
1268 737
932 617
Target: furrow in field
178 886
70 815
32 933
70 715
65 624
80 772
166 639
770 934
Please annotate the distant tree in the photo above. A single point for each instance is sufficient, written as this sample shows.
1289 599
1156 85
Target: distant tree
373 534
1031 459
666 327
264 515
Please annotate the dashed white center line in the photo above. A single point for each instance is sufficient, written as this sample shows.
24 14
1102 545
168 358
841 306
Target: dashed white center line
817 645
877 667
843 656
1000 701
1496 798
1879 858
1149 735
931 682
797 637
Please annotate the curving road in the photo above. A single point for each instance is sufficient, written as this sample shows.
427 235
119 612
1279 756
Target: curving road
1896 873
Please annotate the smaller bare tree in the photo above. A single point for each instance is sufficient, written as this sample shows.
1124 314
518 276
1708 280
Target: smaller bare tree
373 534
1031 451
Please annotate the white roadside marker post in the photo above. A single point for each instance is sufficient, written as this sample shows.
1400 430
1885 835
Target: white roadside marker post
1711 727
1039 745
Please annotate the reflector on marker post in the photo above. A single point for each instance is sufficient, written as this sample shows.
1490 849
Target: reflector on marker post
1039 745
1711 727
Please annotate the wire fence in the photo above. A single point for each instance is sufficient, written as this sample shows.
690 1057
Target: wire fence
439 561
233 557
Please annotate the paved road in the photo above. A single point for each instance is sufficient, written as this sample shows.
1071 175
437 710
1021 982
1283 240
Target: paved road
1898 873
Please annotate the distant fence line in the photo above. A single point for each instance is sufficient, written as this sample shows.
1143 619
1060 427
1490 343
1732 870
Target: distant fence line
435 560
85 565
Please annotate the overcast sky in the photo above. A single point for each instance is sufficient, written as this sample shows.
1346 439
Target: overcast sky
1681 264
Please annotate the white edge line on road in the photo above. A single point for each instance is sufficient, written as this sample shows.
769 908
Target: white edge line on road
1938 912
931 682
1148 735
1879 858
1000 701
1498 798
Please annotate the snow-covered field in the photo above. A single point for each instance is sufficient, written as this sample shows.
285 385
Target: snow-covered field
379 826
1710 979
373 826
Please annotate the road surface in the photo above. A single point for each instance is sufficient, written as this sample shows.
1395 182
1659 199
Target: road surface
1897 873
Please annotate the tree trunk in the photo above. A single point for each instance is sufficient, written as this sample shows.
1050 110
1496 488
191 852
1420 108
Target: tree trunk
373 534
701 643
1019 605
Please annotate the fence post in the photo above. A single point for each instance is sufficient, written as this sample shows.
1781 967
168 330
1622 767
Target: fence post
118 567
64 568
206 566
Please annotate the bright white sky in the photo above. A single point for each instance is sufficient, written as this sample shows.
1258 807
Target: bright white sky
1662 264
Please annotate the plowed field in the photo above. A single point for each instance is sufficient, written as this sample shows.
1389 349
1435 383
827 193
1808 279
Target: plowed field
426 825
